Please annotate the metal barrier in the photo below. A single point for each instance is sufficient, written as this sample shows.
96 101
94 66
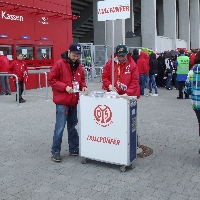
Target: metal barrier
41 71
92 59
6 74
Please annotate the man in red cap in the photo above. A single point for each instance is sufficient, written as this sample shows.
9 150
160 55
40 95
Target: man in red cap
67 78
126 77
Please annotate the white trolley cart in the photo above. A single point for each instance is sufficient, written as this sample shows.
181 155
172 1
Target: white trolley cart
107 127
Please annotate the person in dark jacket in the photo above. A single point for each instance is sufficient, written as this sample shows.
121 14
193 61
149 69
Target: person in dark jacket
135 55
66 79
161 69
153 64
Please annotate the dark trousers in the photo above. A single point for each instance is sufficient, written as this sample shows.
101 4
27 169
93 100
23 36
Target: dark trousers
181 85
21 89
198 118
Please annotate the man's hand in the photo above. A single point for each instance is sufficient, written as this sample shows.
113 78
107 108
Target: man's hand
69 90
84 89
25 72
110 88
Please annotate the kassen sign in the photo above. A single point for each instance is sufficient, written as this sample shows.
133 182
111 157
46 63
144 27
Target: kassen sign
112 10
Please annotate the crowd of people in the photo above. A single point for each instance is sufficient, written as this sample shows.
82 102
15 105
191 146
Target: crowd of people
168 69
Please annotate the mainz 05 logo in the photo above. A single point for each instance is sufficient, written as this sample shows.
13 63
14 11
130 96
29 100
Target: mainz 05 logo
103 115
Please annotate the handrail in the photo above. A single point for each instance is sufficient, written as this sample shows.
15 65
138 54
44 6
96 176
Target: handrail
6 74
41 72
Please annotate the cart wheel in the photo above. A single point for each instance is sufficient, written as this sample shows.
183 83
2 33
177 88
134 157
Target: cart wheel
84 161
123 168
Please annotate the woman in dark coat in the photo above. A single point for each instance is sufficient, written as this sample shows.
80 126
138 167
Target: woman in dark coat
153 64
135 55
161 69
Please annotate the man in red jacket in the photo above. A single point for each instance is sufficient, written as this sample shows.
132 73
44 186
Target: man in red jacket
143 68
126 78
66 79
4 64
19 68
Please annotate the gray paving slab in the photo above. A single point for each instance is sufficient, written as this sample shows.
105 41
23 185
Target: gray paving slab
165 124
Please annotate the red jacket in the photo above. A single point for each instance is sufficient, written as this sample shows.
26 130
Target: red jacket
4 63
192 57
60 77
18 67
128 81
142 63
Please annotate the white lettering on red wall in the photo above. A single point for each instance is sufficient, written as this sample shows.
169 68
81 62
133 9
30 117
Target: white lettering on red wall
7 16
116 9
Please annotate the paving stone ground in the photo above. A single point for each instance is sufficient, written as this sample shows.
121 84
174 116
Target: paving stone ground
165 124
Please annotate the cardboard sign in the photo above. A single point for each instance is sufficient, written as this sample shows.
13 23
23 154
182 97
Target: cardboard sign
112 10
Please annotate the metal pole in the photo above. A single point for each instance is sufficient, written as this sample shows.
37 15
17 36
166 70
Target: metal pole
46 86
39 81
24 89
113 55
17 90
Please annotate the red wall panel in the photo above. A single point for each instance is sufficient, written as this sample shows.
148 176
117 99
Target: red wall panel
58 30
35 25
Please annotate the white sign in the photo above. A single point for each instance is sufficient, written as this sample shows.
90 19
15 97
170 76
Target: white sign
43 50
9 57
24 51
112 10
7 16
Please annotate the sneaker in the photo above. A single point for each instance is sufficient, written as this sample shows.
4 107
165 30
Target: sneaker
150 93
179 97
74 153
56 157
154 95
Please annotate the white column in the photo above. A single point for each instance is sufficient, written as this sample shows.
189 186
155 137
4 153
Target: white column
148 24
194 24
169 11
184 21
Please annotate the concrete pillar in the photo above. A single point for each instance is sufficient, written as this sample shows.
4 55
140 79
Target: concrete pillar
160 17
169 11
148 24
194 24
129 23
119 33
184 21
99 27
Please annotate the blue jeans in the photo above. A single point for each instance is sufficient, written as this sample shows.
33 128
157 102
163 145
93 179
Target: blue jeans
152 81
168 81
142 83
5 82
66 114
147 80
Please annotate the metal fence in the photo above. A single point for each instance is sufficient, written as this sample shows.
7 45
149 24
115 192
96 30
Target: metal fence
93 58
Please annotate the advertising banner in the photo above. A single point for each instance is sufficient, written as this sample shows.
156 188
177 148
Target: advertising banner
112 10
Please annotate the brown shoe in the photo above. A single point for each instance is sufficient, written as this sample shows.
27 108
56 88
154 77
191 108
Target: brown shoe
22 101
